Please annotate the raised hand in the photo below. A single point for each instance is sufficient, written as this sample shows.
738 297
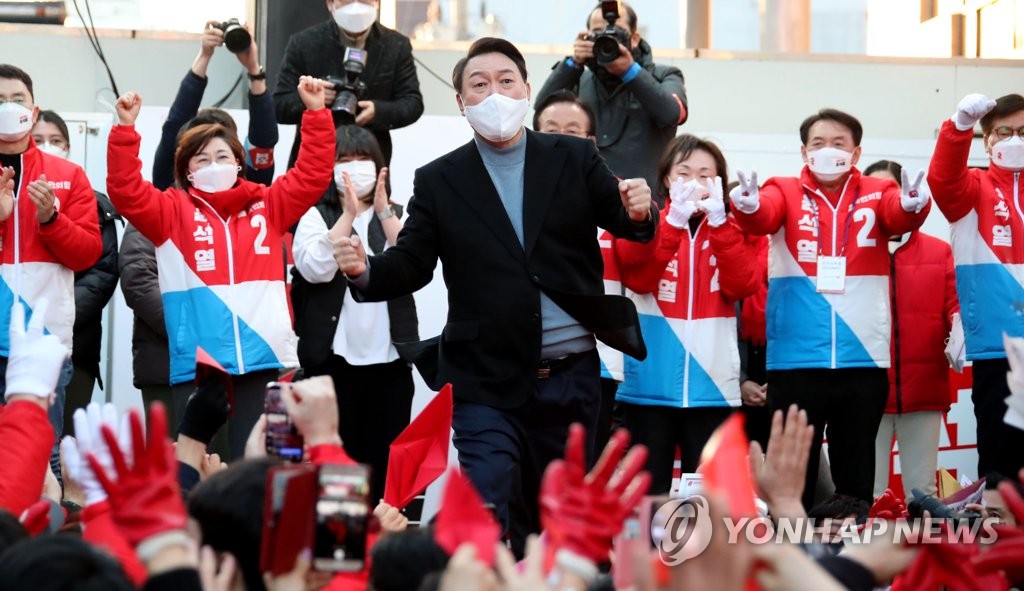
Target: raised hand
6 192
350 256
780 477
312 405
714 205
970 110
380 195
636 199
211 39
128 107
311 91
35 358
913 199
89 423
745 196
682 205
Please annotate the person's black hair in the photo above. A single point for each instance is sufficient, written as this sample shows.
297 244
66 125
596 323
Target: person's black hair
229 509
602 583
207 116
54 118
11 531
431 582
630 16
11 72
483 46
60 563
563 95
401 561
840 506
353 140
893 168
992 480
845 119
1006 105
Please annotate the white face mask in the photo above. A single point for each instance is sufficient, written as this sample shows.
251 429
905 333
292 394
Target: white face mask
1009 153
498 118
15 121
215 178
362 174
52 149
828 164
356 17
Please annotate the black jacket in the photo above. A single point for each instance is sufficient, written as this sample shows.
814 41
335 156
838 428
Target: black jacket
390 78
317 306
491 344
634 121
141 289
93 289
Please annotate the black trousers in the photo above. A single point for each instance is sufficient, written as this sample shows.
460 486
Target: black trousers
374 404
504 452
661 429
1000 446
851 402
603 430
758 423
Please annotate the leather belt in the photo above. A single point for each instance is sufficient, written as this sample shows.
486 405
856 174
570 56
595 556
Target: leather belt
548 367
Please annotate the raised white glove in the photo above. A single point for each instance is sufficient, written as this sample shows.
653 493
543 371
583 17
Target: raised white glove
744 196
1015 380
35 360
970 110
913 199
682 206
88 439
714 206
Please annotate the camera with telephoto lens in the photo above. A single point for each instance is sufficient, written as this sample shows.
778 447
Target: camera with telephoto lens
349 88
936 509
236 38
606 42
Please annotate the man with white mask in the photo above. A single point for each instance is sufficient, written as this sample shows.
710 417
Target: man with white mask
391 98
828 291
985 213
512 216
48 226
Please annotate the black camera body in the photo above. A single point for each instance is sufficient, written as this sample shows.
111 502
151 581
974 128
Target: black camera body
606 42
236 38
349 88
937 509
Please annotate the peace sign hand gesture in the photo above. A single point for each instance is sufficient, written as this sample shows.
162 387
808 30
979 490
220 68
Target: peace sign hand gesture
744 196
913 198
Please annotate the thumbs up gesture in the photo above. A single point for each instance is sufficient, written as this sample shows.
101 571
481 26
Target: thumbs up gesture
745 196
636 199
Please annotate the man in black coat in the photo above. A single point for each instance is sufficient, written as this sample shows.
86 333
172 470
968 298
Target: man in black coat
391 98
513 216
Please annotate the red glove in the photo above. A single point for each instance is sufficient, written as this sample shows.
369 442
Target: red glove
949 565
889 507
145 499
37 517
1007 553
583 512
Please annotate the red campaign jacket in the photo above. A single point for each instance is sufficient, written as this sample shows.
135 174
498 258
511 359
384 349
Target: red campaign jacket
39 262
27 439
753 315
923 292
219 255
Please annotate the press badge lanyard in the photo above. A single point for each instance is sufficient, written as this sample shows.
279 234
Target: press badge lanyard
831 273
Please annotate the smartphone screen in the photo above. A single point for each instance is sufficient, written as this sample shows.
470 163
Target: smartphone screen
342 518
283 439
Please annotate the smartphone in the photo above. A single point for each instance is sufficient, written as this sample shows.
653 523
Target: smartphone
342 518
283 439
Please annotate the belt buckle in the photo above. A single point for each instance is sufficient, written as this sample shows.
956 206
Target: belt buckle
543 373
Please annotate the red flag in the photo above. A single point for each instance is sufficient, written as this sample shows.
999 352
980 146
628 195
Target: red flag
419 455
726 468
463 518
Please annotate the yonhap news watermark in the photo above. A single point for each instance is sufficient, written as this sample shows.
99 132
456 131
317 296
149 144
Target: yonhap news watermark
682 529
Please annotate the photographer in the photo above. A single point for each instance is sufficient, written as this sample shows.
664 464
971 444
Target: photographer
638 103
386 89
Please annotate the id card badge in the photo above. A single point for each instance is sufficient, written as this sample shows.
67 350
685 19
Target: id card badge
831 274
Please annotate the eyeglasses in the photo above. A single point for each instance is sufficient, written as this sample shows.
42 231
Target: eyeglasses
567 131
1005 132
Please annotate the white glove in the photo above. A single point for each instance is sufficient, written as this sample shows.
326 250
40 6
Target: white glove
970 110
1015 380
35 360
89 423
913 199
714 206
744 196
682 205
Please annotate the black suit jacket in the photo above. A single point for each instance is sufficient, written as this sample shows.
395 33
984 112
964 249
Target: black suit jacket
491 344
